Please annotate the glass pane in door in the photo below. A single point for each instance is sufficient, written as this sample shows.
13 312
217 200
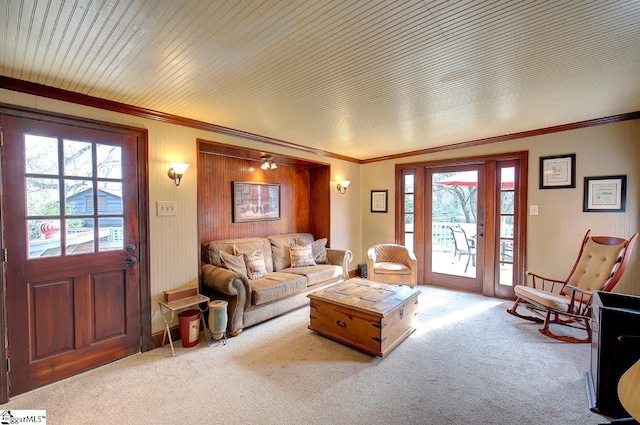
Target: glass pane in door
409 212
454 223
506 225
74 196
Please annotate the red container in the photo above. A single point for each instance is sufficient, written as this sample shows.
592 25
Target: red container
189 321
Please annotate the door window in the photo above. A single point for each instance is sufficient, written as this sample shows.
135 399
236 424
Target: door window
506 225
74 197
409 211
454 222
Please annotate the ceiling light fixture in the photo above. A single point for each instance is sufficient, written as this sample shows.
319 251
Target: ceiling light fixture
268 163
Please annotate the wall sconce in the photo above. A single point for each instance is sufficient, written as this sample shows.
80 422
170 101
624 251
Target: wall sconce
177 170
343 186
268 163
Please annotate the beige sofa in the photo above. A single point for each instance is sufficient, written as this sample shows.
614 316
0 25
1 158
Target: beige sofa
283 288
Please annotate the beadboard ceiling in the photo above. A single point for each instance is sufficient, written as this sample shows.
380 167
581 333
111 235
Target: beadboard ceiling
362 79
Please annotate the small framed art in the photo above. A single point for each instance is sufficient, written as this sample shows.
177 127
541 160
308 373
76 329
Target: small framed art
605 194
379 202
558 172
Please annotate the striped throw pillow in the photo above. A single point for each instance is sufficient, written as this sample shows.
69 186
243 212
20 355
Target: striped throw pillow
301 256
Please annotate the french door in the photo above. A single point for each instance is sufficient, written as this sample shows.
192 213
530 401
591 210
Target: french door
465 219
71 233
455 244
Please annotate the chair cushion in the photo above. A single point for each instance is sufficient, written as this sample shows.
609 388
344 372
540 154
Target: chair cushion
596 265
544 298
391 253
386 267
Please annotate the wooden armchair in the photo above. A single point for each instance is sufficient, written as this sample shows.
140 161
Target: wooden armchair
601 262
391 263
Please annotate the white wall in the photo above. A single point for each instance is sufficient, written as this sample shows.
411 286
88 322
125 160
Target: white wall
553 237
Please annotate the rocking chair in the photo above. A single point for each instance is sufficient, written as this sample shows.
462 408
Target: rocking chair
600 264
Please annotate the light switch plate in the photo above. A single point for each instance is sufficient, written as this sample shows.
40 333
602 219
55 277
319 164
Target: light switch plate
165 208
533 210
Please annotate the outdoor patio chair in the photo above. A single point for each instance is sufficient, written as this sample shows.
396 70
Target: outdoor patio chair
506 252
463 246
601 262
391 263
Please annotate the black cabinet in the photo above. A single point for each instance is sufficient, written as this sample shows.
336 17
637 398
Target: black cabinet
615 347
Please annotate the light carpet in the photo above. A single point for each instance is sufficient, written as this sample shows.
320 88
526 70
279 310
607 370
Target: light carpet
468 362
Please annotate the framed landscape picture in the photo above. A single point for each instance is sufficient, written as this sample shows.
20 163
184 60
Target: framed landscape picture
605 194
379 201
255 201
558 172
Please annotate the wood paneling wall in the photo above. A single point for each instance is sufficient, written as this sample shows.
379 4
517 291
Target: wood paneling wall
304 195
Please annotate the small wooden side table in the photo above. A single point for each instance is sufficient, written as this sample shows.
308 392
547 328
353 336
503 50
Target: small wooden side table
173 306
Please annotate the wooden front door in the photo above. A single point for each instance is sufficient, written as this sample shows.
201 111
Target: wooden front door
70 212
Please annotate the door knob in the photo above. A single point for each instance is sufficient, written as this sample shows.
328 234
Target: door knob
129 260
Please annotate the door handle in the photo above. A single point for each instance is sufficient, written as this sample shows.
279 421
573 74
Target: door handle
129 260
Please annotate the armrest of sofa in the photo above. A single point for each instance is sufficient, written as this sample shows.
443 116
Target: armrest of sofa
340 257
234 287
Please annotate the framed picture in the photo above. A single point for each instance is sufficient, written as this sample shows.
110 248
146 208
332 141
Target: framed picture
255 201
558 172
379 201
605 194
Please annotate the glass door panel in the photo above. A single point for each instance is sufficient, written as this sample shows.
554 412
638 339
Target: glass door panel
409 212
454 222
506 225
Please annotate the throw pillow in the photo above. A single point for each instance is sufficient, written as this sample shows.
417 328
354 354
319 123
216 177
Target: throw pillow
256 267
318 247
301 256
233 263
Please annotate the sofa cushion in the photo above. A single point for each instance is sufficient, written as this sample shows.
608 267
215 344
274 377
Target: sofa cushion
242 246
316 274
280 248
275 286
212 253
319 248
301 255
256 267
235 263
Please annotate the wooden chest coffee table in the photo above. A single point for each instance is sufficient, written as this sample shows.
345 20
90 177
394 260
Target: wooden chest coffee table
372 317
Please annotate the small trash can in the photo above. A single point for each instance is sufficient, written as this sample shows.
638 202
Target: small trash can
189 321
